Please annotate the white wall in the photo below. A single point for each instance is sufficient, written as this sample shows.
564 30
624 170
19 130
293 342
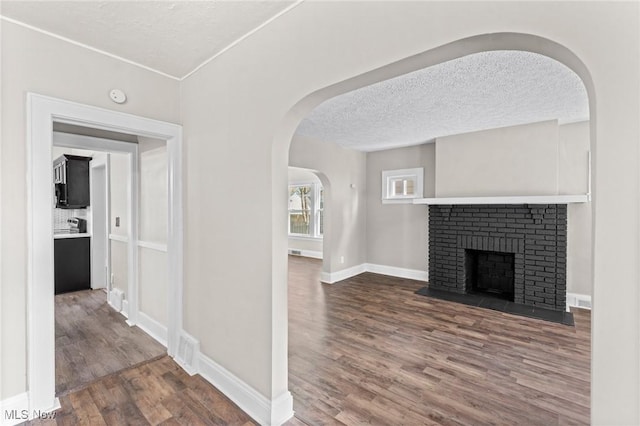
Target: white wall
35 62
152 262
398 234
239 116
515 160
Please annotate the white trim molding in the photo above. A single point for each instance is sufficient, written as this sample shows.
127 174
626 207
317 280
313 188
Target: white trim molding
575 300
153 328
306 253
252 402
152 246
334 277
42 112
412 274
282 409
119 238
516 199
404 176
16 410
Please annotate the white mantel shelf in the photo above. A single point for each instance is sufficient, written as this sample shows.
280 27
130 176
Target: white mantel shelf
524 199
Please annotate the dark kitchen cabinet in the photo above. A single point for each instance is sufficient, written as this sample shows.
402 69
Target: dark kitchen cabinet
72 259
71 180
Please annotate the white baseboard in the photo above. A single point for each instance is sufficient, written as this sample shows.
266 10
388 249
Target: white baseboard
252 402
334 277
412 274
282 409
153 328
576 300
15 410
306 253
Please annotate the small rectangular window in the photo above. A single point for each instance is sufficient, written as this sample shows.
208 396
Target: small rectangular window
401 186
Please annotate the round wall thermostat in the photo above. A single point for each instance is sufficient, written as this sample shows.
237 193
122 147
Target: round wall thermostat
117 96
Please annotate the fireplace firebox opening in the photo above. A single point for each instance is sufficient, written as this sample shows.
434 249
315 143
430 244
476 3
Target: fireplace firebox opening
490 273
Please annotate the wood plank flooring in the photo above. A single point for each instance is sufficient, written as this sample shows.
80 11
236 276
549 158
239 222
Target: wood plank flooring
157 392
92 340
370 351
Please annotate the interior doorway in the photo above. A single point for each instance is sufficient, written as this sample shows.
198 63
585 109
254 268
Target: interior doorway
308 213
43 113
93 337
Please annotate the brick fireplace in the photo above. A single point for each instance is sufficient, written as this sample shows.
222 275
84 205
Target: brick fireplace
514 252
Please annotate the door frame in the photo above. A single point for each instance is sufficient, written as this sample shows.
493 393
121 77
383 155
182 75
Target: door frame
107 146
42 112
93 169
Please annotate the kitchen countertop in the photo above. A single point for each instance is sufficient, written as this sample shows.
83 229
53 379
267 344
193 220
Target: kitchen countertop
61 235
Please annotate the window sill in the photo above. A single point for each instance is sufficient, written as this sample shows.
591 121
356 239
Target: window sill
399 200
304 237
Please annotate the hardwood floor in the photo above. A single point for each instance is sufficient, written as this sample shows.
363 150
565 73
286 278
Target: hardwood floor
157 392
92 340
370 351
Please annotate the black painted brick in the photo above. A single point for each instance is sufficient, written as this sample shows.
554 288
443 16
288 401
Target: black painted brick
536 233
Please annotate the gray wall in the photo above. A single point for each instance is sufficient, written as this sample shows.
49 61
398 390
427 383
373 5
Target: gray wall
345 207
239 116
32 61
397 234
550 157
515 160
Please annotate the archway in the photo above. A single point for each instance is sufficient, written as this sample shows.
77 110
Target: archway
282 140
317 244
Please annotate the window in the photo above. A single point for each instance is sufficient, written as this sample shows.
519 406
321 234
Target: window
402 186
306 210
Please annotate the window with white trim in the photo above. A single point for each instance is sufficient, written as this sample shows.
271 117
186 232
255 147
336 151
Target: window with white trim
306 210
402 186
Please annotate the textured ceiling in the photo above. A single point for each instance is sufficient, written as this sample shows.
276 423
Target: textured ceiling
171 37
476 92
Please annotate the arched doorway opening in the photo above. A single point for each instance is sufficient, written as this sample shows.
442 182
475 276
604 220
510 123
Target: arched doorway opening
460 48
